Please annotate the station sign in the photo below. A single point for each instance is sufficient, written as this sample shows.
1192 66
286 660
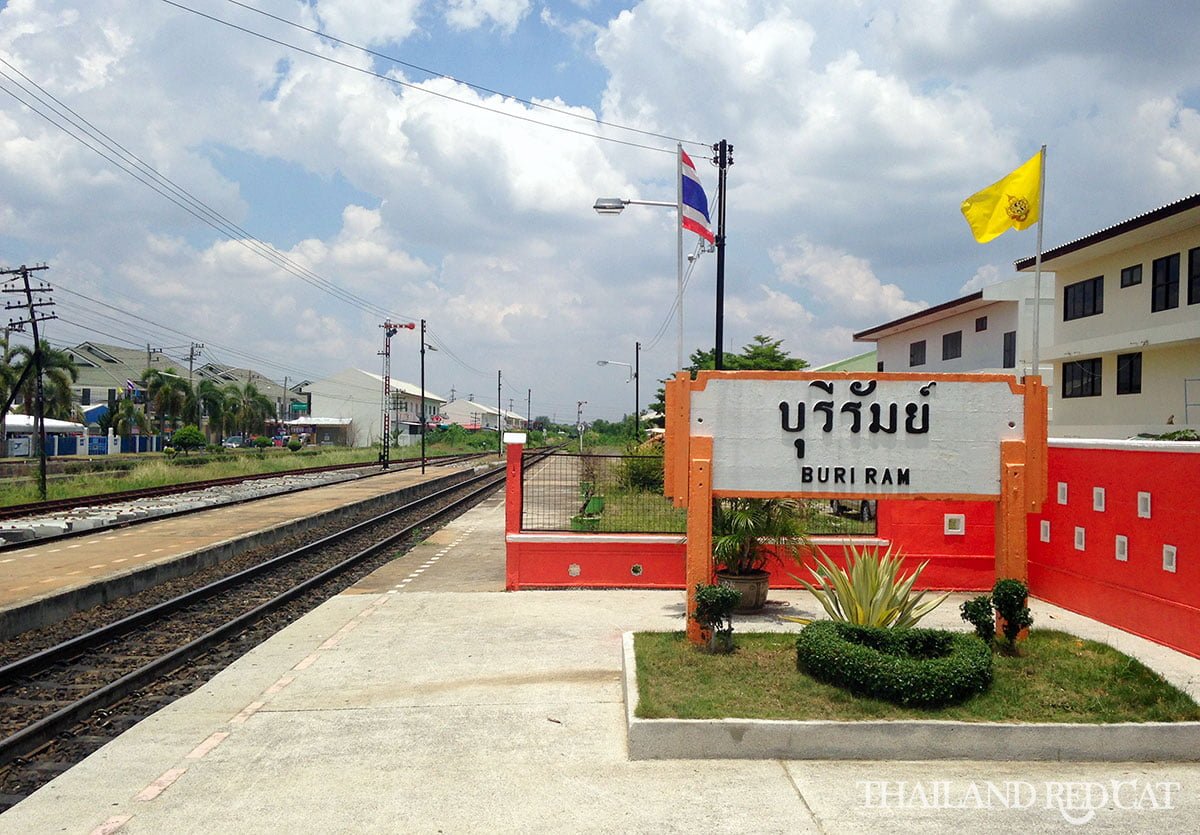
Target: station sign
872 438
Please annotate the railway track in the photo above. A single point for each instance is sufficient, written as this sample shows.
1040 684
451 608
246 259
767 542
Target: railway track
21 511
59 703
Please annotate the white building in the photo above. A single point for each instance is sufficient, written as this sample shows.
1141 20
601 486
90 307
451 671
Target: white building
1126 333
471 414
1119 334
990 330
358 395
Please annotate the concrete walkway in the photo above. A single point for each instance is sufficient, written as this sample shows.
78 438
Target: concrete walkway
428 701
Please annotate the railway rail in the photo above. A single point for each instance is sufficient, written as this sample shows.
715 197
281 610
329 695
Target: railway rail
59 703
20 511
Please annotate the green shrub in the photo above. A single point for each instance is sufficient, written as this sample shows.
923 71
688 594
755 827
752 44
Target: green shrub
262 442
294 445
640 472
187 438
908 667
978 612
714 612
1009 597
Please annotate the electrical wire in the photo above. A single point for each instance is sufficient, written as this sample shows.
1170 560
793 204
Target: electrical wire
436 74
411 86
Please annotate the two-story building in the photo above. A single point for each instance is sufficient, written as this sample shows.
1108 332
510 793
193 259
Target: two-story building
1125 343
990 330
356 396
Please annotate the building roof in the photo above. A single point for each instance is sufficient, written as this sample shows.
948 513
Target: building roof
861 362
1180 214
904 323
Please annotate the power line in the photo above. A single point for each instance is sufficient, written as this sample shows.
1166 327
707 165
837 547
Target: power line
411 86
436 74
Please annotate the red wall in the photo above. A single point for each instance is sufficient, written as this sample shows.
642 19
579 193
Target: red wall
1138 595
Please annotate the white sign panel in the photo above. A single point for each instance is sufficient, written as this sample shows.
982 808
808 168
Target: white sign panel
887 437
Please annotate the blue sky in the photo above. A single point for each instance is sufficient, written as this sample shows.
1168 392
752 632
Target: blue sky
858 129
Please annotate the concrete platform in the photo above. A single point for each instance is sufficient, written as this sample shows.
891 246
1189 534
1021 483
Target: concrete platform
426 700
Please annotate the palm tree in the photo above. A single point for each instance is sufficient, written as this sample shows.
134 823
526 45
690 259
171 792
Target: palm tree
249 407
169 393
213 400
129 416
58 375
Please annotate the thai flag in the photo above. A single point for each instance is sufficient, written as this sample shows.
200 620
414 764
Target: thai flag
694 210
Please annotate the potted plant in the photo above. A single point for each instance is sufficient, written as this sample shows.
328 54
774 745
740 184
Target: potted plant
745 531
715 605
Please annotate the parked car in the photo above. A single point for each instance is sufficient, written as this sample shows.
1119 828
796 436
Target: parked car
861 509
232 442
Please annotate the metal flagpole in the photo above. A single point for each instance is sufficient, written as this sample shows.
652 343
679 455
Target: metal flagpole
1037 266
679 249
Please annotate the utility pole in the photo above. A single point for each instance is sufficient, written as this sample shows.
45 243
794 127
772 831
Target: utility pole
723 159
499 420
579 422
389 330
637 406
39 415
193 353
528 408
423 420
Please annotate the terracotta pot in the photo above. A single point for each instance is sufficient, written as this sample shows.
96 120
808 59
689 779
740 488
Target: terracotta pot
753 586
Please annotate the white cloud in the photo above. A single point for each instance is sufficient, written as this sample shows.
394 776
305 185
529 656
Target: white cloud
504 15
986 275
844 282
368 23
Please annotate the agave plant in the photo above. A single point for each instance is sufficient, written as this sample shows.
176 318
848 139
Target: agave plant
870 591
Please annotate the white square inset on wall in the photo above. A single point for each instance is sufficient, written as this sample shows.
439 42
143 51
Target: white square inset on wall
1062 492
1080 539
1045 531
1122 548
1169 558
1098 499
954 524
1143 505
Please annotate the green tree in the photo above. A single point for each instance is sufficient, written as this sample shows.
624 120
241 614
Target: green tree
187 438
249 408
129 416
762 354
58 375
170 394
214 400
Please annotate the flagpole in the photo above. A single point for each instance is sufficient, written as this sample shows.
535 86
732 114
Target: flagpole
1037 266
679 248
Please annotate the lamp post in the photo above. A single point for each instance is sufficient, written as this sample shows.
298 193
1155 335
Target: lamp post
424 345
616 205
579 422
633 375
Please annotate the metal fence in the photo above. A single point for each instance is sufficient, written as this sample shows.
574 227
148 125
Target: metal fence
623 494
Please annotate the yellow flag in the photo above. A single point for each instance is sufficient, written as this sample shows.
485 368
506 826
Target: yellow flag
1010 203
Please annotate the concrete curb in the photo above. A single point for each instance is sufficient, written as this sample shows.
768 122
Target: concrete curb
765 739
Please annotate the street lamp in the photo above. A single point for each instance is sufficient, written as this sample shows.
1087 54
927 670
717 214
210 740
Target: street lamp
633 375
616 205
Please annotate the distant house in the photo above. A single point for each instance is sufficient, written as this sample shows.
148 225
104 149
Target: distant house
472 415
1126 331
859 362
358 395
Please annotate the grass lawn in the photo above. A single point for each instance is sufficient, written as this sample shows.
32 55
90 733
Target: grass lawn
1058 678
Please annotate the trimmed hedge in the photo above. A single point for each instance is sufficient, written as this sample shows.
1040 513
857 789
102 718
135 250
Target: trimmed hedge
908 667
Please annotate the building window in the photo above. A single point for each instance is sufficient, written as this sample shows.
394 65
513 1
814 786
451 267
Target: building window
980 324
1194 276
1129 373
1083 298
1081 378
879 365
1010 349
916 353
1164 286
85 397
952 345
1131 275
